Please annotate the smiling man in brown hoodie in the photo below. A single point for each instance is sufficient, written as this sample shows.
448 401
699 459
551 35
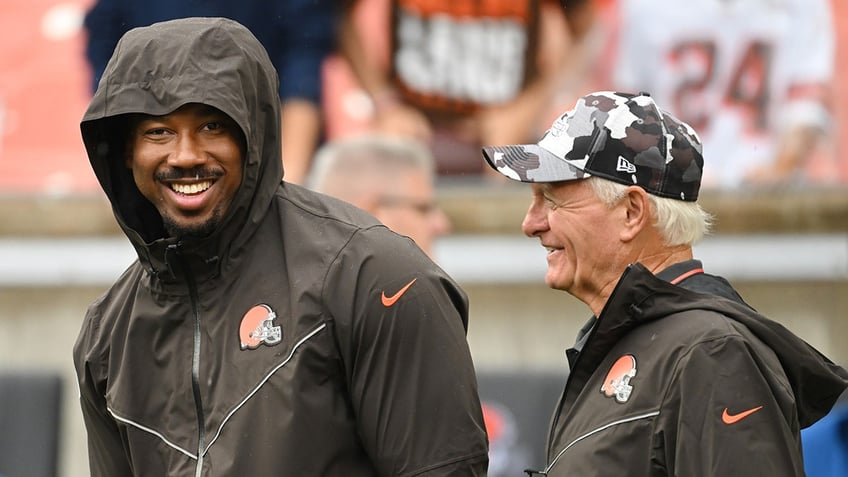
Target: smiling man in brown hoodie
264 329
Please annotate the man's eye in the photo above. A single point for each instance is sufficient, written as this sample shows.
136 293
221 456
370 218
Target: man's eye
213 125
156 131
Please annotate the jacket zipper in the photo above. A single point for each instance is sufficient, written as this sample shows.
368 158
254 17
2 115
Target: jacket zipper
195 356
595 431
561 404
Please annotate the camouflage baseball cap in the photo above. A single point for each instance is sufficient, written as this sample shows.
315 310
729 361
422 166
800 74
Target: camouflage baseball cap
622 137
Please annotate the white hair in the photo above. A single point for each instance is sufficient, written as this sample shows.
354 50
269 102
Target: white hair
679 222
353 165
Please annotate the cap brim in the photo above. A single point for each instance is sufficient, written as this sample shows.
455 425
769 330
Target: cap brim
530 163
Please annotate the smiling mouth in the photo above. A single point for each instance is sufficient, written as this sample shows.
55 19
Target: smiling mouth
550 248
191 189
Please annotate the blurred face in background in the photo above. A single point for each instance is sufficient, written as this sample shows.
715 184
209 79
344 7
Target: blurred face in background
408 207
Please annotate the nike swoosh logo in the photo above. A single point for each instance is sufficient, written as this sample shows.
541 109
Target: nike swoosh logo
728 418
390 300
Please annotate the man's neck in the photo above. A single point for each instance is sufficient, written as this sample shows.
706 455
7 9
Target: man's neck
655 263
659 262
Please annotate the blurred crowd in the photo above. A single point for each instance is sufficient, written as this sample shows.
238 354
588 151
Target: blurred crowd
456 75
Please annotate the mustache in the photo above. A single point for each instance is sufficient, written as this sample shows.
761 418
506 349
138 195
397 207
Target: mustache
196 173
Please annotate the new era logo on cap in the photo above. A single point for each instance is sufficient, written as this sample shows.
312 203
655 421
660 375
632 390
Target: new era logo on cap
621 137
625 166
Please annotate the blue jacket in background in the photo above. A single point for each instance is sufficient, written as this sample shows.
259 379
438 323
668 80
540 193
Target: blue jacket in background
298 34
826 444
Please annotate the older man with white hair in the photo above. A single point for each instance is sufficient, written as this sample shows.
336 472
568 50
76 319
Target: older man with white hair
674 374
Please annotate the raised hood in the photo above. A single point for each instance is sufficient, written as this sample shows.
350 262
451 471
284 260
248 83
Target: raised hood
157 69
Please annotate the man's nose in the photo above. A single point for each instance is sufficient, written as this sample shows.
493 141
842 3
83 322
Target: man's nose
440 223
535 220
188 153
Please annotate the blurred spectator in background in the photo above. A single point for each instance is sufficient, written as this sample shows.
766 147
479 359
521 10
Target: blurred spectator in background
390 177
298 34
753 77
459 73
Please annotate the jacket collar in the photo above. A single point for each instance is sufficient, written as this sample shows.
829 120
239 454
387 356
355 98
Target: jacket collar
620 315
641 297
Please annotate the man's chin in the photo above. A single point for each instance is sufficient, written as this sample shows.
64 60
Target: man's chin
188 230
556 282
553 284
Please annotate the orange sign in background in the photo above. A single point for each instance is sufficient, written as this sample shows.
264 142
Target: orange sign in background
45 87
840 14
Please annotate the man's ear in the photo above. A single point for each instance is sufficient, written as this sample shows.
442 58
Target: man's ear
637 213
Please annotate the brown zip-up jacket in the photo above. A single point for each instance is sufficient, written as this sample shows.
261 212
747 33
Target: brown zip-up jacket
300 338
672 382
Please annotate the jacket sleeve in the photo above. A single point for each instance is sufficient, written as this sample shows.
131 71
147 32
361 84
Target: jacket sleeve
105 446
728 411
411 379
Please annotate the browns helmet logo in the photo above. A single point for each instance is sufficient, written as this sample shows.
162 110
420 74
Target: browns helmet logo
258 327
617 383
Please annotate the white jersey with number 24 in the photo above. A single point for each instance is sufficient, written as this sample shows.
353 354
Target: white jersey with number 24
739 71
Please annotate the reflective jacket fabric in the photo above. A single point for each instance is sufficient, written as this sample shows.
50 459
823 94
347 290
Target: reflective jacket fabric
674 382
300 338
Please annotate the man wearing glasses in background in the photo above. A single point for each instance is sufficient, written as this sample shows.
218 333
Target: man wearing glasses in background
390 177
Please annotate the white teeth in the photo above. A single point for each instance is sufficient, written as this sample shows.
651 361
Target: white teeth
189 189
